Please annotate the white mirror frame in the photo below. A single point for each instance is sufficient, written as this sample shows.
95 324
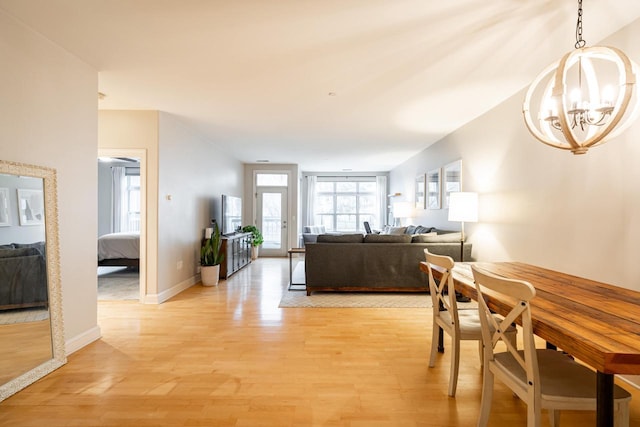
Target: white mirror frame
59 358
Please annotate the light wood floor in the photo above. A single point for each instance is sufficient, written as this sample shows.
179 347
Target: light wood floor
228 356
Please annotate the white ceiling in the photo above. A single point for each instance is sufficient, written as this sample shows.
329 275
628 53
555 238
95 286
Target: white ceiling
256 75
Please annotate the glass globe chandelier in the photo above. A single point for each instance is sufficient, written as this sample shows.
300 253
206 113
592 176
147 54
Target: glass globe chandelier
585 99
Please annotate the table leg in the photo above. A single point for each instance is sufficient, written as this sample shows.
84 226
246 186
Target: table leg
290 271
604 416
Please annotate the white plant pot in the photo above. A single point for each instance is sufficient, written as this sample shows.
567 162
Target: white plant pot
210 275
254 252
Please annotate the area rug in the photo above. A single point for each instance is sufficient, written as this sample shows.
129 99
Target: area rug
354 300
10 317
119 284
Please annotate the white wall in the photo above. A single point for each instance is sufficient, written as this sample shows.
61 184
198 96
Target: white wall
193 172
541 205
48 117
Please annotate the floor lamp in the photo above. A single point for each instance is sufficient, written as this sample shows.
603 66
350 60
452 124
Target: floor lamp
463 207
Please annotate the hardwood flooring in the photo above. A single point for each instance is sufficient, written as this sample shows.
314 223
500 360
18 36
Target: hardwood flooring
228 356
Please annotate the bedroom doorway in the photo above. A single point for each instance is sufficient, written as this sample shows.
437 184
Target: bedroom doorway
121 224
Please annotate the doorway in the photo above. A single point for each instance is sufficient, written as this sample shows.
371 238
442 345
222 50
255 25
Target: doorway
128 274
272 207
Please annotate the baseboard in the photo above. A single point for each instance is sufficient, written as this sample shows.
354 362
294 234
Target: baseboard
171 292
84 339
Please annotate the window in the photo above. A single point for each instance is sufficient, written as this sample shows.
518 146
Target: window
344 204
271 179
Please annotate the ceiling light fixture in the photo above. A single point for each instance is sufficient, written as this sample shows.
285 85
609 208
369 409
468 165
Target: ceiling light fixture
585 99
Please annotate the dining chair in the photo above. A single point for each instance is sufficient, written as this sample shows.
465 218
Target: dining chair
542 378
460 325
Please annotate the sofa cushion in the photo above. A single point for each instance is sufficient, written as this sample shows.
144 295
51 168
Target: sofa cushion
443 238
40 246
340 238
387 238
15 253
423 238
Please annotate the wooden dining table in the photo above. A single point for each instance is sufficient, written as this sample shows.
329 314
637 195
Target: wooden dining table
597 323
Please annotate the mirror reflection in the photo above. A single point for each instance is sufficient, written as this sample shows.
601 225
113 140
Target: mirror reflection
31 324
25 328
452 180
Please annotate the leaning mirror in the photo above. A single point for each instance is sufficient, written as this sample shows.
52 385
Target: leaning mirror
31 326
452 180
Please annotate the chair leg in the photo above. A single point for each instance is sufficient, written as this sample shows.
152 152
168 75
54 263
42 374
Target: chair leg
434 344
621 415
487 397
481 351
554 417
455 365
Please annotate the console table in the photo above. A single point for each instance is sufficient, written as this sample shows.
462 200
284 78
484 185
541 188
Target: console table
237 253
292 251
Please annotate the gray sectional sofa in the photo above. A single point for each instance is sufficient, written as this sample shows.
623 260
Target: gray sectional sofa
376 262
23 276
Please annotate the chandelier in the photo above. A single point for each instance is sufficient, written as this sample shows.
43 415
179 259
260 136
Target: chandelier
585 99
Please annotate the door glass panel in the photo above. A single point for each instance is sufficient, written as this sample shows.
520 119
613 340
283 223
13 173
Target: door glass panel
272 220
272 179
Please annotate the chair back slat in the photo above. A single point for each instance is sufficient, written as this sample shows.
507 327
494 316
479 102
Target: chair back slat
443 291
516 294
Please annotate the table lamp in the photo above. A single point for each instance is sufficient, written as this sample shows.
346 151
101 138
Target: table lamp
463 207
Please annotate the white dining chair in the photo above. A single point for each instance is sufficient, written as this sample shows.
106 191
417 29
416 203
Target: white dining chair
542 378
460 325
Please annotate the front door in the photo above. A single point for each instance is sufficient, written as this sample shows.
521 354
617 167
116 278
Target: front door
271 209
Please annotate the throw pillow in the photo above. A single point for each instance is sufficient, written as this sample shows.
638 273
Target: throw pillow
411 229
394 230
423 230
423 238
442 238
387 238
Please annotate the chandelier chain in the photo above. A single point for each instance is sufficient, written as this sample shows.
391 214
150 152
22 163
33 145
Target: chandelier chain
580 43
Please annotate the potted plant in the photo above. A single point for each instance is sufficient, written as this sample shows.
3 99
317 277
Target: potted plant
211 257
256 239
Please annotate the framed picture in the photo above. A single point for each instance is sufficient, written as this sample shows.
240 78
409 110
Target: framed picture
452 180
30 207
420 190
433 189
5 219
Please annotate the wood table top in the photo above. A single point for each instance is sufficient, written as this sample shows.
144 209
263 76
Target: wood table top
596 322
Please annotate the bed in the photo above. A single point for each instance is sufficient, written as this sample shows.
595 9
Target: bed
119 249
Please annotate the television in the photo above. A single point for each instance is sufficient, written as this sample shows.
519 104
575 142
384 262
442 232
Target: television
231 214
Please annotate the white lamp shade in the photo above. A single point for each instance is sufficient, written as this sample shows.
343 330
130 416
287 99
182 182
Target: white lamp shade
402 209
463 206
